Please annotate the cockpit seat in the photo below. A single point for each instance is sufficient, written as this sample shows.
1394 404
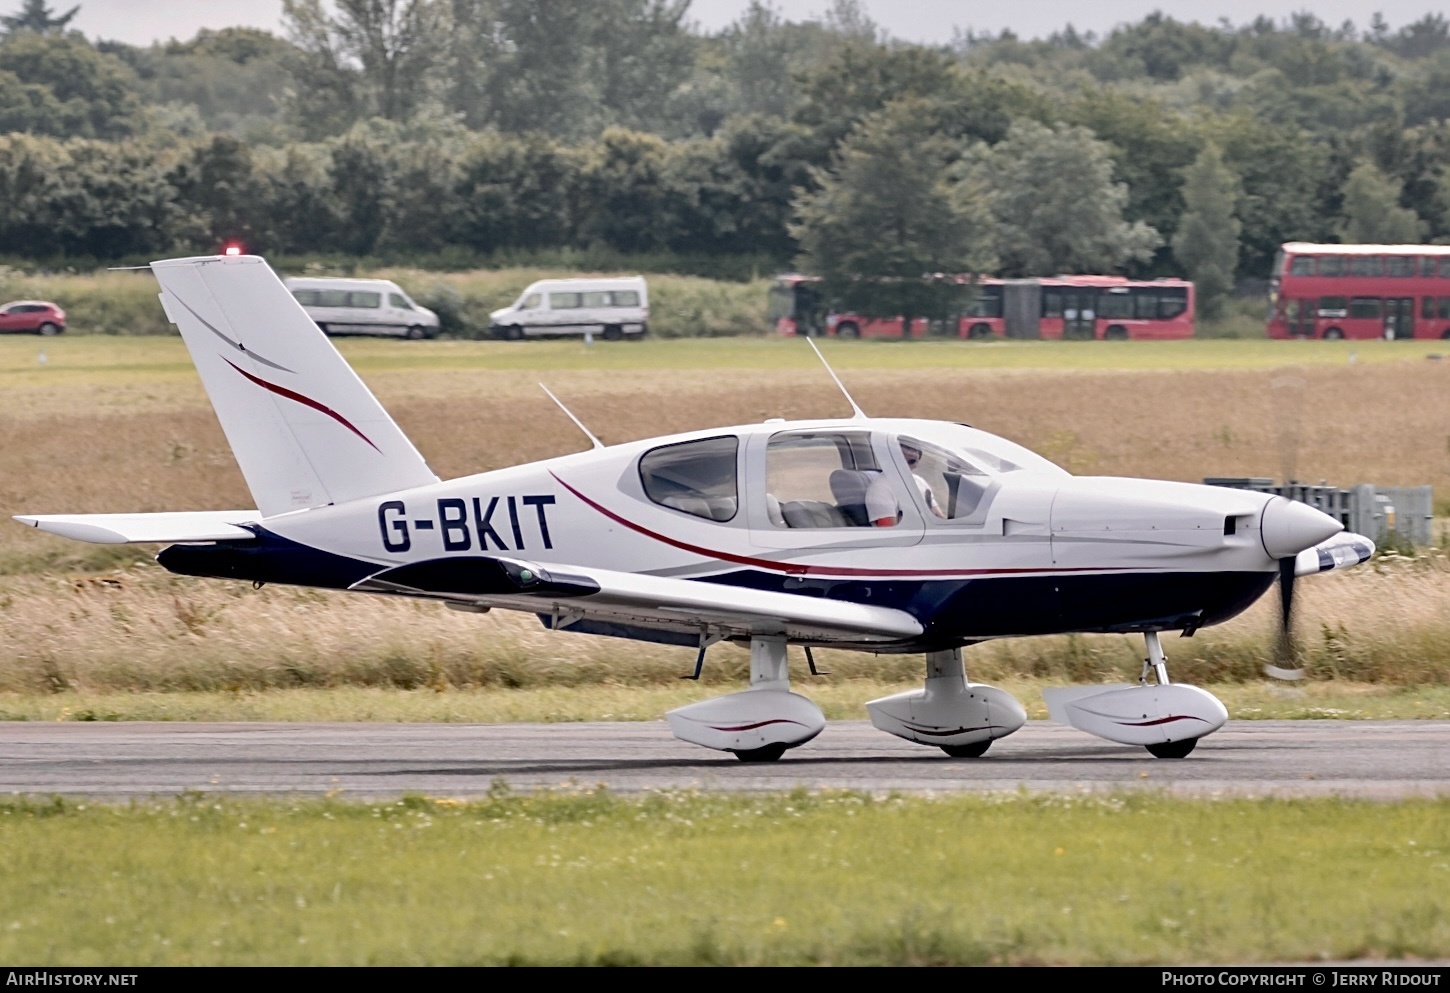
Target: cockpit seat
849 487
813 514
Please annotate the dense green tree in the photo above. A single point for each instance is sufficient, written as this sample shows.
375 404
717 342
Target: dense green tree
83 198
860 79
1372 212
1207 240
516 191
362 186
885 228
98 91
385 53
1150 147
33 109
1166 48
217 193
1279 170
296 211
36 15
1056 206
626 183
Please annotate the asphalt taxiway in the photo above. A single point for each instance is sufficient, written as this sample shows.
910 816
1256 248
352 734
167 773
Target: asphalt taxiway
1366 759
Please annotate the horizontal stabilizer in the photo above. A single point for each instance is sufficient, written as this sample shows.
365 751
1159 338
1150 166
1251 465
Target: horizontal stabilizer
120 529
603 594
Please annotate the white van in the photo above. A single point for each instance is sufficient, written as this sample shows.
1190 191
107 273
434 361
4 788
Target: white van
610 308
363 306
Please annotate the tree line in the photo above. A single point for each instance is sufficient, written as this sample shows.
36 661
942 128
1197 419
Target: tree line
490 126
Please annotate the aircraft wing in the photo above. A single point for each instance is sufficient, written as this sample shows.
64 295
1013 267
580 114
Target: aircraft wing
120 529
680 605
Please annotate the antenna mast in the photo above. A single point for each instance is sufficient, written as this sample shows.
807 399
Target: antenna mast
857 412
569 414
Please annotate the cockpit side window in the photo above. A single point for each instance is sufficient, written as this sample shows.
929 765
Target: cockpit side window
951 487
696 477
821 479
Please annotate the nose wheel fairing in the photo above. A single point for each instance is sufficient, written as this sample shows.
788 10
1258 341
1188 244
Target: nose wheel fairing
1166 718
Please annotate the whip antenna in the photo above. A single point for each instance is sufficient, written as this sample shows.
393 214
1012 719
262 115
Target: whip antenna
857 412
569 414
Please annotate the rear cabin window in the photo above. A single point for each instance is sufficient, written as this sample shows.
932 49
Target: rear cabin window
565 301
1172 301
696 477
1115 305
987 302
308 298
624 298
597 298
331 298
365 300
1364 307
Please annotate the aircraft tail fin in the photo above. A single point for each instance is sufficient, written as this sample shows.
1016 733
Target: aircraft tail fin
304 428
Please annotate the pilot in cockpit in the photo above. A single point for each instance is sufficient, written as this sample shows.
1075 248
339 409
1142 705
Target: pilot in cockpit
912 455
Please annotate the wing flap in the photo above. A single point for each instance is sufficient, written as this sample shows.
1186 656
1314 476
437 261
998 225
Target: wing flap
623 596
120 529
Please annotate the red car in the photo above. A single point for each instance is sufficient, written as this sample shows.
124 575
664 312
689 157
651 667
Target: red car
35 316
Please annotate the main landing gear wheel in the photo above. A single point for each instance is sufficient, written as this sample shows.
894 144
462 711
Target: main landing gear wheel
1172 749
754 725
766 753
960 718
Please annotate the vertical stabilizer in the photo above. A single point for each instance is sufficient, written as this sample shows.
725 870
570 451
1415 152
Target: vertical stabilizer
305 430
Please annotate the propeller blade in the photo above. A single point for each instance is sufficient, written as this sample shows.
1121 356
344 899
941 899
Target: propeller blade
1284 667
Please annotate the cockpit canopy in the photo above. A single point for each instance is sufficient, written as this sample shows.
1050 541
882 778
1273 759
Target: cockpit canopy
840 475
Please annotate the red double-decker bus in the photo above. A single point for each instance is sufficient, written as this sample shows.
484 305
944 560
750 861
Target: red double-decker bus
1360 291
1086 307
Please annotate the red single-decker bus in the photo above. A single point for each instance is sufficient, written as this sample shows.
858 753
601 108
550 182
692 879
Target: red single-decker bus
1395 292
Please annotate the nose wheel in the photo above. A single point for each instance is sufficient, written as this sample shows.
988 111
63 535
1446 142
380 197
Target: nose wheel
1164 717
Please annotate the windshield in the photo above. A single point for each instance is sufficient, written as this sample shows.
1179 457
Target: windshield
958 470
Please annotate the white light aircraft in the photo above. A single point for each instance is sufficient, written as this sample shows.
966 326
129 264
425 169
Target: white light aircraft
872 534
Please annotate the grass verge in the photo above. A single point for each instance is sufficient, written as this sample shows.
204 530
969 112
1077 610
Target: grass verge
585 877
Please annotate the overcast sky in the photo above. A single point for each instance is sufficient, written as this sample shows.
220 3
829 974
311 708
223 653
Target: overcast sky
140 22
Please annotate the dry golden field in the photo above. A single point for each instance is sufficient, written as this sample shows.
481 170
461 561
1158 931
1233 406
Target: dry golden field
111 424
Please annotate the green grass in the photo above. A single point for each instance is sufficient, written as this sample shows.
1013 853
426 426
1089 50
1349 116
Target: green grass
580 876
159 360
